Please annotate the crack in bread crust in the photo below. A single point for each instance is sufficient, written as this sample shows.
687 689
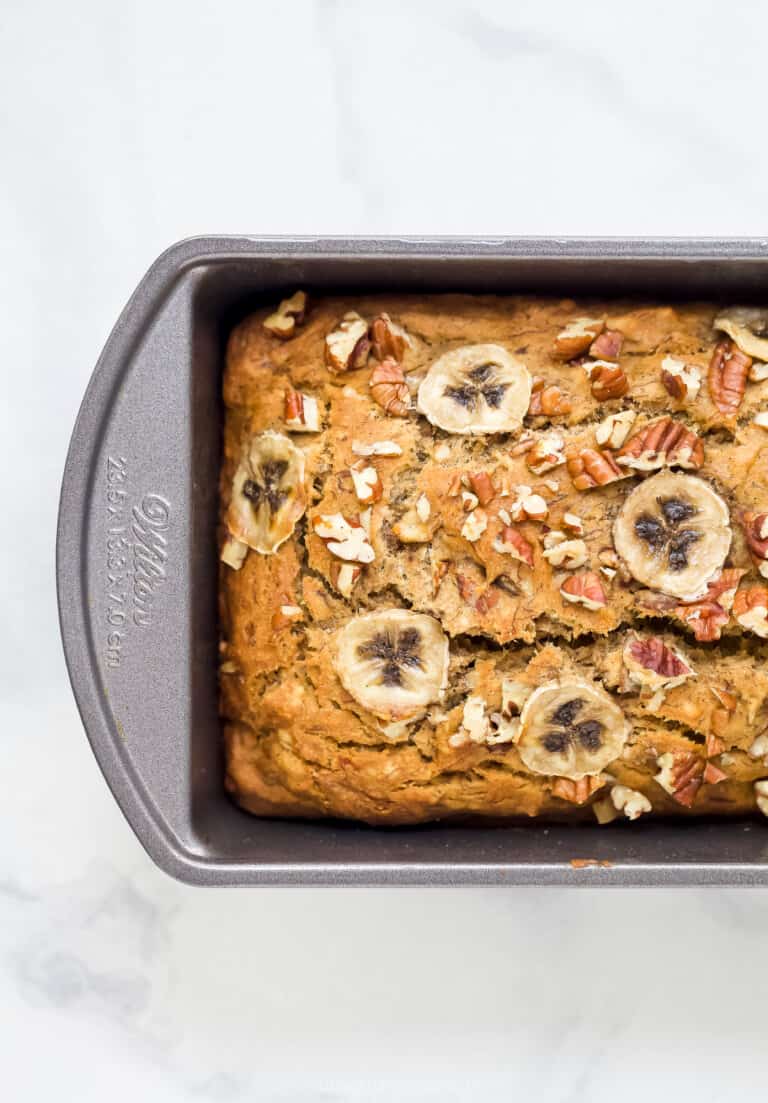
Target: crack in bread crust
297 743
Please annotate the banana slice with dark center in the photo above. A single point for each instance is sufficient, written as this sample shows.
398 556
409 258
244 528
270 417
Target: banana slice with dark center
476 389
393 662
748 327
570 728
268 493
673 534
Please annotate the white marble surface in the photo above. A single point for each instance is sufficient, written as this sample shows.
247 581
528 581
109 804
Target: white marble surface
126 126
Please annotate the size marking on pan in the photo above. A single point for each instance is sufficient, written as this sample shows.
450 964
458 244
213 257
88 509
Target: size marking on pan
136 558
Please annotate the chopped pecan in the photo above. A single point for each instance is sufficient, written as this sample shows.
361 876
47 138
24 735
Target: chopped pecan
706 619
367 482
512 542
577 792
345 538
482 485
347 347
681 381
301 412
723 588
474 526
614 429
714 745
388 339
652 663
755 527
589 467
713 775
584 589
487 600
680 774
662 443
561 552
549 401
576 338
606 381
344 577
727 377
761 796
545 453
286 614
607 346
389 389
750 608
288 315
629 801
439 571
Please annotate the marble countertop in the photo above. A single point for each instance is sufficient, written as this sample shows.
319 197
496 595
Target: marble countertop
127 126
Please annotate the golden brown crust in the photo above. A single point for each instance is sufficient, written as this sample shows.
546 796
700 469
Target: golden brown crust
298 744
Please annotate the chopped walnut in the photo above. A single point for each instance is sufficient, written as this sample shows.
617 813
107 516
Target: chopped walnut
546 453
344 539
589 468
662 443
288 315
366 481
680 774
750 608
576 338
474 526
606 380
347 347
727 377
389 388
613 429
511 542
584 589
548 401
388 339
576 792
681 381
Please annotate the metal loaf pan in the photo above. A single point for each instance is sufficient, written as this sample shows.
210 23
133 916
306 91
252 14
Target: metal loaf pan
137 565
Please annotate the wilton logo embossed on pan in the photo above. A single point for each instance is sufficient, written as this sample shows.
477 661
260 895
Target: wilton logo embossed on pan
150 553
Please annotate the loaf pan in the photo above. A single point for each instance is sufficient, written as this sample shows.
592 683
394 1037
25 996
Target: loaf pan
137 565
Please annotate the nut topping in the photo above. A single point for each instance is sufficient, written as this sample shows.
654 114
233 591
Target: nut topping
548 401
366 481
378 448
288 315
662 443
576 338
389 388
576 792
347 347
613 429
750 608
344 577
344 539
682 381
607 346
727 377
761 796
474 526
388 339
511 542
629 801
585 589
301 412
233 553
569 555
546 453
747 326
607 381
482 485
589 468
755 527
680 774
651 664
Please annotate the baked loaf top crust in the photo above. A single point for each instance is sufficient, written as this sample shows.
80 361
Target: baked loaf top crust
494 557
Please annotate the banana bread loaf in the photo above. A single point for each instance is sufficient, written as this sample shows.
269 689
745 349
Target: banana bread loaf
494 557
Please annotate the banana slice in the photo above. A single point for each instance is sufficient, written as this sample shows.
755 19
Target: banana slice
570 728
748 327
393 662
476 389
268 493
673 534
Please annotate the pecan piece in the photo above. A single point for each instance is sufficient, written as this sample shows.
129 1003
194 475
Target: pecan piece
713 775
482 485
755 527
388 339
682 381
344 576
286 614
347 347
713 745
589 467
389 388
651 663
680 774
706 619
577 792
545 454
607 346
727 377
576 338
584 589
606 380
288 315
662 443
512 542
750 608
301 412
549 401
